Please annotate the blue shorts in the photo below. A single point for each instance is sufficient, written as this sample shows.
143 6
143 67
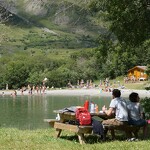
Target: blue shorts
140 123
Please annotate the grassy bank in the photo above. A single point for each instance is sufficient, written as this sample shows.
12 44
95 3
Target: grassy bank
44 139
138 85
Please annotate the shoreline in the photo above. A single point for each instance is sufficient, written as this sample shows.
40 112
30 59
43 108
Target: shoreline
80 92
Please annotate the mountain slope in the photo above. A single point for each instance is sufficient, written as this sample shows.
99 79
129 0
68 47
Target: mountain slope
47 24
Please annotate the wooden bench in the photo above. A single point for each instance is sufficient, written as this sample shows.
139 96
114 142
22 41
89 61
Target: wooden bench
78 129
81 130
128 129
51 122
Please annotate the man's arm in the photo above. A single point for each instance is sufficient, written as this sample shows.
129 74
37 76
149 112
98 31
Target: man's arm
108 112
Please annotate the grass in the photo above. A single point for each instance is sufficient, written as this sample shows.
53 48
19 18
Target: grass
138 85
44 139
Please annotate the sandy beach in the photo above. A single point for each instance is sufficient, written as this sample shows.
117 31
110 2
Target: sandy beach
90 92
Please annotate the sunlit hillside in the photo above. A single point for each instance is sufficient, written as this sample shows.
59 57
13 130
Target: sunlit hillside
49 24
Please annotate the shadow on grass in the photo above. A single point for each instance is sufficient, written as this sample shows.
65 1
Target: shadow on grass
92 139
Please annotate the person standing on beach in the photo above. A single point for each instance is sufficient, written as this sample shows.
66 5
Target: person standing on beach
14 93
22 91
37 89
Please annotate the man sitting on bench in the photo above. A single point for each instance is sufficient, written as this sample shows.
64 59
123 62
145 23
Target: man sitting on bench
118 106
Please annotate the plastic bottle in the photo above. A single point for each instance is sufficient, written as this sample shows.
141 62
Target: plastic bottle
86 105
58 117
92 107
96 108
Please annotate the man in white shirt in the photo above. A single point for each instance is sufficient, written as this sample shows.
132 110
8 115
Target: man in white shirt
118 107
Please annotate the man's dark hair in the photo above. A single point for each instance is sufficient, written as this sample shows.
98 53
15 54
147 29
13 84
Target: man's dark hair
133 97
116 93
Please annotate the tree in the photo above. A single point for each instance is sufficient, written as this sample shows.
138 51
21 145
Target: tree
16 74
148 72
128 23
129 19
84 64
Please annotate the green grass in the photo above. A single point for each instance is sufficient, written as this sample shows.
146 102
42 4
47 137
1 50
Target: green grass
138 85
44 139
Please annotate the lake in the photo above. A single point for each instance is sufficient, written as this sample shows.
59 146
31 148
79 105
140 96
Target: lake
29 111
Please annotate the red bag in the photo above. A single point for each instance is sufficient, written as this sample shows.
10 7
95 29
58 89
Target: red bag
83 116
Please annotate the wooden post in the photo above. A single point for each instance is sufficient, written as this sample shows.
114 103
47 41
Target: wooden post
81 138
58 132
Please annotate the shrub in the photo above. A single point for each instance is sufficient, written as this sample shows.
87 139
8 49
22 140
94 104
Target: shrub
146 105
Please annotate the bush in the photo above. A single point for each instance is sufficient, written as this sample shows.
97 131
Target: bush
147 88
146 105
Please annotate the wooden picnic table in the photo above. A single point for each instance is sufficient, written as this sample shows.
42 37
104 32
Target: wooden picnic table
63 124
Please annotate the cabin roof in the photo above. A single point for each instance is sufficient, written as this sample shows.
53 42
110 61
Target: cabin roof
140 67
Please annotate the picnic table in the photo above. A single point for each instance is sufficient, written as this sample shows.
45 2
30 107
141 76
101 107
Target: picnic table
63 124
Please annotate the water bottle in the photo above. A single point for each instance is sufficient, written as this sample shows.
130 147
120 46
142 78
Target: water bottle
92 107
58 117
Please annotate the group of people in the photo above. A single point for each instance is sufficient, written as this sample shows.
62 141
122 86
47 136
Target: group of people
81 84
34 89
126 112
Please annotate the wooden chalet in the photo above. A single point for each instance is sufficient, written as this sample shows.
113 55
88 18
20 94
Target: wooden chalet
138 72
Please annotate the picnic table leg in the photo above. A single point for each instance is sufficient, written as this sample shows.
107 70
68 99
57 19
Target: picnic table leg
81 138
112 131
58 132
136 133
105 133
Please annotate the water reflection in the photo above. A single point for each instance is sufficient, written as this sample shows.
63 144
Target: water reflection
28 111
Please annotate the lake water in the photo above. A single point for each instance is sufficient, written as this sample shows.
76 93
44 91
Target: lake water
29 111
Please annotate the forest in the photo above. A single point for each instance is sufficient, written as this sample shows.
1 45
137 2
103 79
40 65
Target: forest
116 39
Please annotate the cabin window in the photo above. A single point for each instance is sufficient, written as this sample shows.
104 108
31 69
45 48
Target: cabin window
141 74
